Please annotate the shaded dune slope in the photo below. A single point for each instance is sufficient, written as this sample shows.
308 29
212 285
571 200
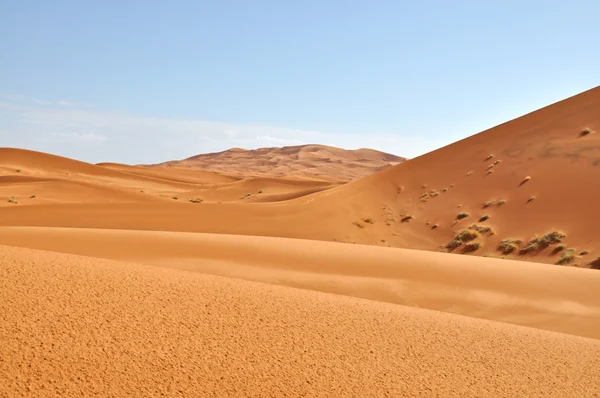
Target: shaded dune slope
126 329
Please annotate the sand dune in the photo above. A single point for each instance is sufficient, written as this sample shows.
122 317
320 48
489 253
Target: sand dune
74 326
315 161
558 298
411 205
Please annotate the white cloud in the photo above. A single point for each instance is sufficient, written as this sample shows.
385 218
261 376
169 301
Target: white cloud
87 133
82 137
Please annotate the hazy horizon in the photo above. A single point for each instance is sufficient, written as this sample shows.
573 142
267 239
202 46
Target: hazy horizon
146 83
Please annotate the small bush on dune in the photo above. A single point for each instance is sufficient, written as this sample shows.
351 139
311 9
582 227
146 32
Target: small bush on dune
501 202
540 243
508 246
525 180
196 200
358 224
567 257
585 131
462 215
12 199
483 218
453 244
491 155
18 170
584 252
32 197
406 218
467 235
488 203
531 199
481 229
596 263
369 220
472 246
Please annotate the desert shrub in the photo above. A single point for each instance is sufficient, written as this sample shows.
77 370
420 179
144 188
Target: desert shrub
369 220
196 200
472 246
175 198
32 197
484 218
525 180
261 191
453 244
467 235
496 162
501 202
584 252
18 170
481 229
12 199
596 263
531 199
462 215
508 246
585 131
488 203
406 218
540 243
435 226
567 257
491 155
358 224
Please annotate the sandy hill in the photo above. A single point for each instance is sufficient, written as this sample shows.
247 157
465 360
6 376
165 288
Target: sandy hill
317 161
519 181
78 326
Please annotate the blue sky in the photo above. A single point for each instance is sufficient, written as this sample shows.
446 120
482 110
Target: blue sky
148 81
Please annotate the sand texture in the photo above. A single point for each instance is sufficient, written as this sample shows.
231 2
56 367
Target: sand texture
73 326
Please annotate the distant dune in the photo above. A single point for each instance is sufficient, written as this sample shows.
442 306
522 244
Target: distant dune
316 161
78 326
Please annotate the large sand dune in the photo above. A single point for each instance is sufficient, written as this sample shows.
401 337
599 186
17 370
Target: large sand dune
76 326
314 161
543 179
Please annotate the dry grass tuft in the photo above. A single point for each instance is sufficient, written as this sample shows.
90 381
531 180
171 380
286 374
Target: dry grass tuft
567 257
462 215
508 246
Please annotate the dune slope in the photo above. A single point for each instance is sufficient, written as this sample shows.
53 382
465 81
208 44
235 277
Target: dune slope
558 299
73 326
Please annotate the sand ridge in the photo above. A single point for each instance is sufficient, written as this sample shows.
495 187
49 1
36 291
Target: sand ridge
73 326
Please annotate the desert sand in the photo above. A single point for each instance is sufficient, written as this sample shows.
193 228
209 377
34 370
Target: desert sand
522 179
313 161
74 326
226 275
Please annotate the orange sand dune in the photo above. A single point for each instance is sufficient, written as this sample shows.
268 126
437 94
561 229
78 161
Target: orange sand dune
554 298
53 179
412 205
316 161
77 326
